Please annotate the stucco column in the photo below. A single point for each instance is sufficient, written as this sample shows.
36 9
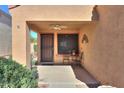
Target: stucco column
55 47
28 53
39 47
20 42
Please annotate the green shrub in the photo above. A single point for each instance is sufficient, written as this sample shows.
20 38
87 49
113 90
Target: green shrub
14 75
35 47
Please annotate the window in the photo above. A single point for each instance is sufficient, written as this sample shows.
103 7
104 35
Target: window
67 43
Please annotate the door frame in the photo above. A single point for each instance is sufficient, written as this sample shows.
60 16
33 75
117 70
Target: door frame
41 46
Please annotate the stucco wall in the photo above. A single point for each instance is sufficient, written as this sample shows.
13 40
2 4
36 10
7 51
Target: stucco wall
5 34
103 55
22 14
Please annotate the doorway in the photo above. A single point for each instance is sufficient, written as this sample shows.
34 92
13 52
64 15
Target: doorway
47 47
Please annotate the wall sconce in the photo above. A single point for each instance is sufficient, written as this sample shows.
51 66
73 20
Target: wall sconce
85 39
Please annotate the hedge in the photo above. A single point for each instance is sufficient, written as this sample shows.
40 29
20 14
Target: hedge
14 75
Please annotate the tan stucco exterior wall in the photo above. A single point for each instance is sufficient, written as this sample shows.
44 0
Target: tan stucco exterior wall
103 55
21 14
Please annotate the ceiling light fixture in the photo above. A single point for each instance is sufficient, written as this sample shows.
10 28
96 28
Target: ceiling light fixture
57 26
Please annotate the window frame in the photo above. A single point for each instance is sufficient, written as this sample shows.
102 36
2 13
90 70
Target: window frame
77 43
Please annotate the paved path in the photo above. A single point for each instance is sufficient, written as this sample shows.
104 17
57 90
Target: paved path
58 77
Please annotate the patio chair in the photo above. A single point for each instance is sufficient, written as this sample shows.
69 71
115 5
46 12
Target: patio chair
79 58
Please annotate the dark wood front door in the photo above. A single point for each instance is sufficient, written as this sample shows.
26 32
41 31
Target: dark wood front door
47 47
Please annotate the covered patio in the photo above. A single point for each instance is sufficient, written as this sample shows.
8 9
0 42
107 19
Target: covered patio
42 23
59 42
60 49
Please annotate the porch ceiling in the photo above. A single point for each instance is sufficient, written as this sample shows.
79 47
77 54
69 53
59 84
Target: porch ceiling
67 25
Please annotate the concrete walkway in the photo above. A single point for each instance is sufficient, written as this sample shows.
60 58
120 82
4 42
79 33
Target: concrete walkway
58 77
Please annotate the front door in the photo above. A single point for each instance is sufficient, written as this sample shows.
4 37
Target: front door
47 47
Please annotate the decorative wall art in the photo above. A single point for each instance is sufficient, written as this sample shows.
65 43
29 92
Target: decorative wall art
85 39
